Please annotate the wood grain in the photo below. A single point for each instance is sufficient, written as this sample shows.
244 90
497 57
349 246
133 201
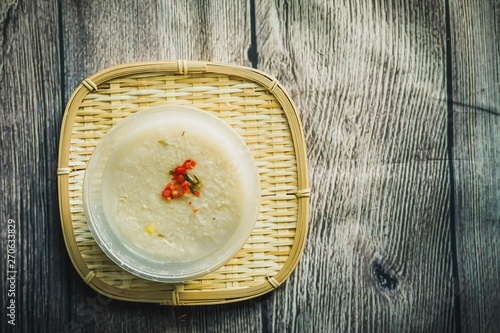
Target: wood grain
368 78
475 44
30 118
97 36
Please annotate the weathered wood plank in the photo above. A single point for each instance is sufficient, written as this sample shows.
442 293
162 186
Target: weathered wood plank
369 81
97 36
30 118
101 34
475 31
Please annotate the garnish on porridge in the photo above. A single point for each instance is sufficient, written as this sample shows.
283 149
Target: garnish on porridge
182 182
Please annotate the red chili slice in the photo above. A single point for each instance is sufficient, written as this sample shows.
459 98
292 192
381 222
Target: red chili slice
189 164
167 191
178 193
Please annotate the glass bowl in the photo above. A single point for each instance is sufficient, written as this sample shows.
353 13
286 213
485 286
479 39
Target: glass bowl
162 237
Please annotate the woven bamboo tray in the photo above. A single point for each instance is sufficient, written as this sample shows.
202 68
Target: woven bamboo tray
252 103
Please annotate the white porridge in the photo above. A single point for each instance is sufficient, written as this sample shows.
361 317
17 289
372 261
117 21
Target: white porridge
168 228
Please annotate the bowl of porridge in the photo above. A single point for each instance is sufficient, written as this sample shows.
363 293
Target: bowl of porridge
171 193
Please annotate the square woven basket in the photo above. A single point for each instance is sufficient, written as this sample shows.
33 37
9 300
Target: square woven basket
255 105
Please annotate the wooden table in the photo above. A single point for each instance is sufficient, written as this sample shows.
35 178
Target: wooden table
400 106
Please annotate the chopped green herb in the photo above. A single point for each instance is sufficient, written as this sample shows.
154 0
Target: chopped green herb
194 181
190 178
198 181
163 143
